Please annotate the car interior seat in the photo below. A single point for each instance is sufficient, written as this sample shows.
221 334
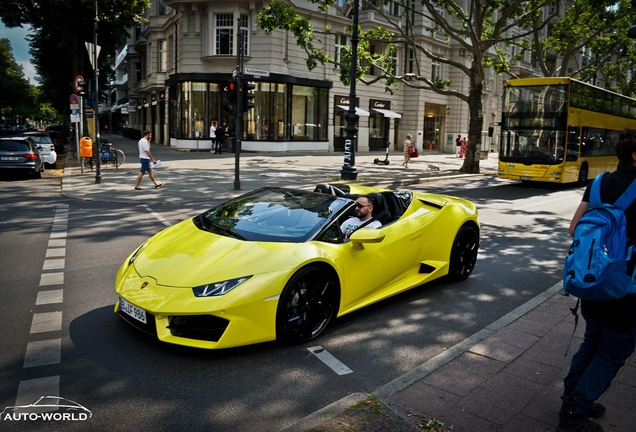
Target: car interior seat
381 211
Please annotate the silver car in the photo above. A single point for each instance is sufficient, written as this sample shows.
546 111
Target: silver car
21 154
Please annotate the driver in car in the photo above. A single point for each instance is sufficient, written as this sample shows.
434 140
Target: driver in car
363 217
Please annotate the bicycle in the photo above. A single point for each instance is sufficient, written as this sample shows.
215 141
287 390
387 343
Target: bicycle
110 155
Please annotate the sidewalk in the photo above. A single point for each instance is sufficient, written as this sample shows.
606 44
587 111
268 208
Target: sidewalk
207 177
507 377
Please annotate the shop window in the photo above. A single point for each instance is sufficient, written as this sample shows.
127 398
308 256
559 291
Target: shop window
193 109
268 120
309 113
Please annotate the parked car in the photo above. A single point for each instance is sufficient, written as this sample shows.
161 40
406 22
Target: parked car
58 141
63 130
21 154
43 140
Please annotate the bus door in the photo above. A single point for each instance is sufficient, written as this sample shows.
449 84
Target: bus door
571 163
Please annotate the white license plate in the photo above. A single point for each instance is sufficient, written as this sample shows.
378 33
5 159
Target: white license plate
8 158
525 178
134 311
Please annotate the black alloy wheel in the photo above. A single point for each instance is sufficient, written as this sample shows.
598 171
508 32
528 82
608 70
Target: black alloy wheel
307 305
463 254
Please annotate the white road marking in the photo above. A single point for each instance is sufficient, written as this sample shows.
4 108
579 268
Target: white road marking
60 226
57 235
31 390
51 279
55 252
336 365
157 215
57 243
43 353
54 264
49 297
46 322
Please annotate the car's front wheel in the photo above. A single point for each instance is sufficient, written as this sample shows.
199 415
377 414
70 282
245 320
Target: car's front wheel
463 254
308 303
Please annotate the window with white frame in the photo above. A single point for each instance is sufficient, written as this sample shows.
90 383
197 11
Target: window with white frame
436 70
225 27
244 28
163 55
340 44
224 34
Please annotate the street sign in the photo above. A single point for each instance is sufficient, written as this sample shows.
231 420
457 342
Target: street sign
74 106
91 53
78 88
74 99
257 72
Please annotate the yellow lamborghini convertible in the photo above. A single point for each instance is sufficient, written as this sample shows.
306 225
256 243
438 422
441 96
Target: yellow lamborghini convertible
273 263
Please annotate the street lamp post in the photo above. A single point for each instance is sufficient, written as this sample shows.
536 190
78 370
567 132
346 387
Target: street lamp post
98 172
348 171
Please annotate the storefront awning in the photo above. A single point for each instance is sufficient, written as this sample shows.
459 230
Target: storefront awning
359 111
387 113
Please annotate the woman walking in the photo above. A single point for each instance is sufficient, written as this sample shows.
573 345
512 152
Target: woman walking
408 145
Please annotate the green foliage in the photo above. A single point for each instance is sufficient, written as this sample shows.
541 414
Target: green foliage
60 30
17 100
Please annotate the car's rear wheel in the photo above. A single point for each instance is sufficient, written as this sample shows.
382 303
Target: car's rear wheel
308 303
463 254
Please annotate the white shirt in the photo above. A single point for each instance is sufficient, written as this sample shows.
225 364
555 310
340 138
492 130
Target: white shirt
353 223
144 146
212 132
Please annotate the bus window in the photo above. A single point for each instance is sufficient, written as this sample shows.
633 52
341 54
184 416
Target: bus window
573 144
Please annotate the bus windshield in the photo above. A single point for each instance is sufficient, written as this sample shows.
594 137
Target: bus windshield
534 124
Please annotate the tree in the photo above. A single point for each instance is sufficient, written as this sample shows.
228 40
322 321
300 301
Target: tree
589 42
60 30
17 100
482 30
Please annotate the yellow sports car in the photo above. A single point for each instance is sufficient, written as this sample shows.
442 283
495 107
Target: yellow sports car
274 264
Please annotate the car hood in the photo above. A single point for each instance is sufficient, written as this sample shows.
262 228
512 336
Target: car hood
185 256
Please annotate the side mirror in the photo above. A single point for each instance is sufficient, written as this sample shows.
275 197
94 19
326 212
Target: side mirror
366 235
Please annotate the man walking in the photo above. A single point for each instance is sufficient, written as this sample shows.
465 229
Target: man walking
145 158
213 137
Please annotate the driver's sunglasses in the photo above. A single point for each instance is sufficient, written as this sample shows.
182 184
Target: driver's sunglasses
358 205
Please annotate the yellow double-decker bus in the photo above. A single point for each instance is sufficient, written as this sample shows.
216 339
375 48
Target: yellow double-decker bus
560 130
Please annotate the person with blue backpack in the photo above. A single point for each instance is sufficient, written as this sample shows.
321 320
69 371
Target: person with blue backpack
600 271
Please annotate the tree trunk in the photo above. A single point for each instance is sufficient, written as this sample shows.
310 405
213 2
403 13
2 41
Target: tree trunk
471 161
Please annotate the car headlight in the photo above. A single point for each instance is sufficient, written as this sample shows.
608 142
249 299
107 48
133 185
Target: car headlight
134 256
218 288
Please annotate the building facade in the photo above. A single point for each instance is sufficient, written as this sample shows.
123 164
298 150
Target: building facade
178 64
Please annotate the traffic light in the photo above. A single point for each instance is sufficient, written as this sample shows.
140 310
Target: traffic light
247 97
83 88
231 94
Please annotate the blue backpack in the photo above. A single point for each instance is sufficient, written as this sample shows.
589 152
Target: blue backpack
596 265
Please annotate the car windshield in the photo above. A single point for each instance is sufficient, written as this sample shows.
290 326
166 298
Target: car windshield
41 139
272 214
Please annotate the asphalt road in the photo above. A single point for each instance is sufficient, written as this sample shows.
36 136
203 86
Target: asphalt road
131 382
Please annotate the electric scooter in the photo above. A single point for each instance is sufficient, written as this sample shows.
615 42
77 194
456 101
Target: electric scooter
386 158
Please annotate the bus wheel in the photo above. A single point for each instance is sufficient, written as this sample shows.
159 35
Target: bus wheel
583 175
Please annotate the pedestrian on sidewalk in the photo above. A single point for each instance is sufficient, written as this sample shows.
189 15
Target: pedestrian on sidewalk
458 144
213 137
610 326
221 136
145 158
408 145
463 147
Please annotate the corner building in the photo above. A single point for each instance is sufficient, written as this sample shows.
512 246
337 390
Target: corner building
179 62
